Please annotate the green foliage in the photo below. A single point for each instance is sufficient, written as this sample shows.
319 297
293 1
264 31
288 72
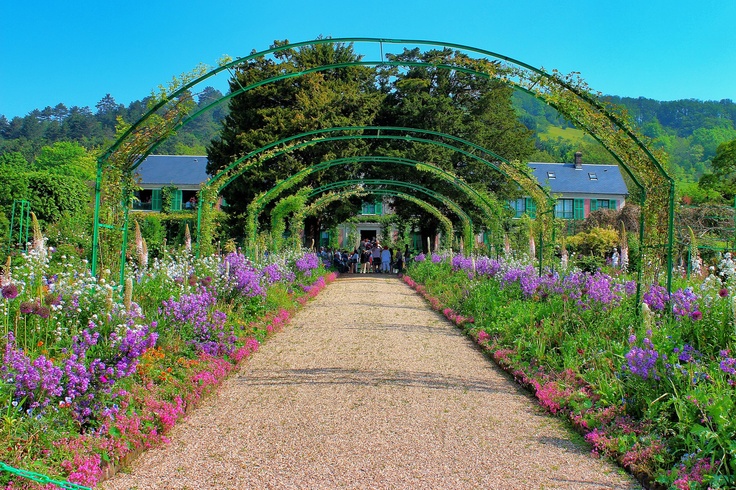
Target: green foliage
51 196
596 243
67 158
167 198
723 178
284 207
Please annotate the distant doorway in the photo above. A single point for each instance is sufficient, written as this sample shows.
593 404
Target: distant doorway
367 234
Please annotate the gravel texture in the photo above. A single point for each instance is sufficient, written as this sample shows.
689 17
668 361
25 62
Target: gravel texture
369 388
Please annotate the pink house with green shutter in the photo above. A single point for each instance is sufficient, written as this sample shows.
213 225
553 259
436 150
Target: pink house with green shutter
579 188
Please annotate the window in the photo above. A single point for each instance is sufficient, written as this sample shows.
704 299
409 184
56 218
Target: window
143 199
369 208
592 176
372 208
519 207
564 208
602 203
551 175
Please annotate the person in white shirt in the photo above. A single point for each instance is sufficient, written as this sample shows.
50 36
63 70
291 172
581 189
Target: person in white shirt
376 256
386 260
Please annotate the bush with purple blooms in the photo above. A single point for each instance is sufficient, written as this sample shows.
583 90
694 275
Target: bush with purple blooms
651 385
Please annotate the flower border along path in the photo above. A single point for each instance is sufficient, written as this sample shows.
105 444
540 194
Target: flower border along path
160 382
369 388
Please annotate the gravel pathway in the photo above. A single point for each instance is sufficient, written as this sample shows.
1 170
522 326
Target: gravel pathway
368 388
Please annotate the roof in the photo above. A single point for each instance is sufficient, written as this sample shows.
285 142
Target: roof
173 170
589 179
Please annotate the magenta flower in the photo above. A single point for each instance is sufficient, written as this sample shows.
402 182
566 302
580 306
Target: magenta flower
10 291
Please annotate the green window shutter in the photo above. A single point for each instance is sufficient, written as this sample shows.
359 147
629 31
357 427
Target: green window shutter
531 207
156 200
176 201
579 209
593 205
612 204
379 208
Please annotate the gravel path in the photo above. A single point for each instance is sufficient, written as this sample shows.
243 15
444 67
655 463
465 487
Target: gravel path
369 388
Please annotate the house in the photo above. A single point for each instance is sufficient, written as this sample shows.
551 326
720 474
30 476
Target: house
186 173
579 188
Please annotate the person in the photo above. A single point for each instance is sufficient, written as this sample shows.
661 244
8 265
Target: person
386 260
376 256
399 262
407 255
354 259
191 203
365 259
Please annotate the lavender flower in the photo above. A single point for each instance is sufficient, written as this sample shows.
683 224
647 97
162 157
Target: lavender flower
642 361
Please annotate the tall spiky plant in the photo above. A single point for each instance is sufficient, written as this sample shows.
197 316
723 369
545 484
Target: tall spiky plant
187 238
532 243
6 277
140 248
39 242
564 257
695 262
624 245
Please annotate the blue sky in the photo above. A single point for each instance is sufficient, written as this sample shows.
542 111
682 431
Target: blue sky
76 52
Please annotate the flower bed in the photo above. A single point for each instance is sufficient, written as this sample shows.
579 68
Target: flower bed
651 387
93 373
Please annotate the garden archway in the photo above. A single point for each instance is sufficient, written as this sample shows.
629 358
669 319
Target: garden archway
330 197
568 94
474 195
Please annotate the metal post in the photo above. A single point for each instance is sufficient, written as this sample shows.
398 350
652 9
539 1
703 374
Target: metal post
96 230
199 225
124 246
670 235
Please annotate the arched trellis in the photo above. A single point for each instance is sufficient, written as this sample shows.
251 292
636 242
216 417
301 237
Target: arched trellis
360 183
568 94
511 170
330 197
475 196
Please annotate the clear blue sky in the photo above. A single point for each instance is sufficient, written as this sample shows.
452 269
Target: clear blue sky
76 52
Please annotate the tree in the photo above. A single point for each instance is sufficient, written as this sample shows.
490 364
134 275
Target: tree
67 158
453 102
723 178
271 112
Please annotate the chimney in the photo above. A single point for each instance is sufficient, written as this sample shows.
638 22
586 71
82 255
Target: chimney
578 160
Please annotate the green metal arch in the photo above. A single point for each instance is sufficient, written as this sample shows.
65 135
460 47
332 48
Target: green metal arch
326 199
522 76
441 173
532 185
466 220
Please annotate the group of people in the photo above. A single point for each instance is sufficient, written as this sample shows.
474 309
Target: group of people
369 257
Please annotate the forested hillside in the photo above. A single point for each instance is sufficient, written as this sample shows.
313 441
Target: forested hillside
688 130
96 128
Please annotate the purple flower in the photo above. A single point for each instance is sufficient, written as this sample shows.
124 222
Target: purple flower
307 263
27 307
642 361
10 291
684 304
656 297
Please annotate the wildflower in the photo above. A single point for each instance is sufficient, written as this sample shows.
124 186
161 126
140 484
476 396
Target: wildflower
27 307
723 292
10 291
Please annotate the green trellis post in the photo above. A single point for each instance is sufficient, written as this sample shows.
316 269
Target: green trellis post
22 216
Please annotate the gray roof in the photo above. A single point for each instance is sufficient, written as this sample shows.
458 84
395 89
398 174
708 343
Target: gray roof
589 179
181 170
